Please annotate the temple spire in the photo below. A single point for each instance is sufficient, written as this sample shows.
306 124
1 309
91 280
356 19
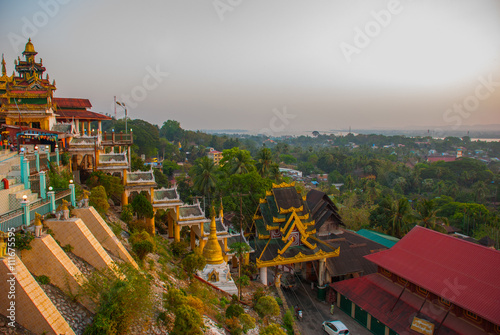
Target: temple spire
4 70
212 250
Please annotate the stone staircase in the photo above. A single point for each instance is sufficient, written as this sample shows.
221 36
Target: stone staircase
11 198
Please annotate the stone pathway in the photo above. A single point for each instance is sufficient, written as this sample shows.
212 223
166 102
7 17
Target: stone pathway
85 268
5 329
77 316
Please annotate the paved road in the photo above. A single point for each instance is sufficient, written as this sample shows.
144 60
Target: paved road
315 312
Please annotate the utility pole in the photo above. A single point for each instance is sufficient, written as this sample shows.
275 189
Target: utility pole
241 241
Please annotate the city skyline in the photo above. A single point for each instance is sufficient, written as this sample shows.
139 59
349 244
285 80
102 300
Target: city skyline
276 67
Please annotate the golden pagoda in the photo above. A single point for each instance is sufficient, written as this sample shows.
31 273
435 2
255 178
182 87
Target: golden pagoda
212 250
216 271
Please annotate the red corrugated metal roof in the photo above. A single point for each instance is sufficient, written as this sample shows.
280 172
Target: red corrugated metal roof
72 103
80 114
378 295
462 272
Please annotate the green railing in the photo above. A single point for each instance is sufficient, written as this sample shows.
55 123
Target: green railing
15 218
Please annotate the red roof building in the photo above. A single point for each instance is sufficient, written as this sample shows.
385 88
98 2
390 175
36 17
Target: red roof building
451 283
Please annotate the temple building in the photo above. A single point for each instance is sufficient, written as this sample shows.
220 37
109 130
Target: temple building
428 283
216 271
286 237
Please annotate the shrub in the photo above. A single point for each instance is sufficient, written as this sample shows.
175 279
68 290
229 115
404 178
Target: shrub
122 298
196 303
267 306
234 310
193 262
279 301
142 244
178 248
247 322
99 199
43 280
23 241
173 299
288 321
259 293
187 321
137 226
234 325
272 329
68 248
127 214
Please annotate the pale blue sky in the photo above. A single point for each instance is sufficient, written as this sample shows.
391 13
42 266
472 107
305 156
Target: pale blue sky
264 55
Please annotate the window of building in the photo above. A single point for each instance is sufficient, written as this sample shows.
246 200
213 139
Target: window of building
402 281
444 302
386 272
422 291
472 316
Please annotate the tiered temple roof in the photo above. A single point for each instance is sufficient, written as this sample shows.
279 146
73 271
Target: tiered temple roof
166 198
285 229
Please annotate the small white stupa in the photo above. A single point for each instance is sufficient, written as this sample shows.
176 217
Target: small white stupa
216 271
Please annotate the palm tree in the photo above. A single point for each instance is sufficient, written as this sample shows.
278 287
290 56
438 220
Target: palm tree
241 163
401 217
426 215
264 162
204 176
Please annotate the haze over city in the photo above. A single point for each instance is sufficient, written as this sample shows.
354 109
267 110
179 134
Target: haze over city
239 64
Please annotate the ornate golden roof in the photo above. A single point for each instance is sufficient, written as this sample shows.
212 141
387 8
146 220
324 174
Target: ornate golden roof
212 250
29 47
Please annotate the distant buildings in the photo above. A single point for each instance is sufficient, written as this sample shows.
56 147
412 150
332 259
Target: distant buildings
215 156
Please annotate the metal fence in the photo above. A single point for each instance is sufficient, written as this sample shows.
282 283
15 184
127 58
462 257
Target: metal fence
15 219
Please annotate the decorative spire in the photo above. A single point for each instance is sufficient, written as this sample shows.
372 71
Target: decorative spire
4 70
212 250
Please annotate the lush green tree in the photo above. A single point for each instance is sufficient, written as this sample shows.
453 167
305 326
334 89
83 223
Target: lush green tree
204 174
237 161
142 244
127 213
426 215
193 262
267 306
288 159
240 249
142 206
113 185
173 299
234 310
264 162
99 199
169 167
171 130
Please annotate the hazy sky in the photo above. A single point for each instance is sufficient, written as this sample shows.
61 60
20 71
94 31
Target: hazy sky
280 65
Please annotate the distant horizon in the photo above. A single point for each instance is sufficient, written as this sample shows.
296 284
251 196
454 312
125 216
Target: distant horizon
366 64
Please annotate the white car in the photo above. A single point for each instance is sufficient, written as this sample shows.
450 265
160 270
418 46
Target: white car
335 328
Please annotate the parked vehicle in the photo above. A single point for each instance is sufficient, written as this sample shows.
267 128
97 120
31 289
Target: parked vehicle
335 328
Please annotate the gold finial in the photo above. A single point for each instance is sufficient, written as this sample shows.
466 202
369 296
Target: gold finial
38 219
4 70
29 47
64 205
3 244
86 194
212 250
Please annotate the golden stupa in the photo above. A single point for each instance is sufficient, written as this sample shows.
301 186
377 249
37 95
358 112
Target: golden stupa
212 250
